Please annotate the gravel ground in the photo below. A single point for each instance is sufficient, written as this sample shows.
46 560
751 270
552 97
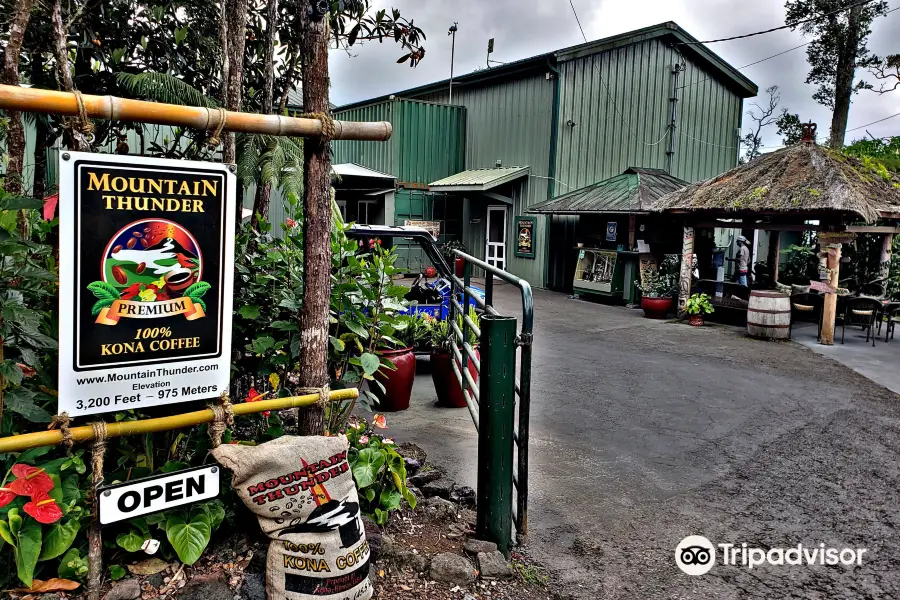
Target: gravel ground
645 432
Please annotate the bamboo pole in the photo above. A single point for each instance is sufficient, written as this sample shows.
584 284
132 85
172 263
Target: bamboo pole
111 108
18 443
829 312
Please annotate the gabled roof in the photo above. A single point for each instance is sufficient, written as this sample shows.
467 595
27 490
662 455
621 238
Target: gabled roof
479 180
743 86
630 192
805 180
355 170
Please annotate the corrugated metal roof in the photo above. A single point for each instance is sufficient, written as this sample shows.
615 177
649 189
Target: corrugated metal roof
479 180
630 192
355 170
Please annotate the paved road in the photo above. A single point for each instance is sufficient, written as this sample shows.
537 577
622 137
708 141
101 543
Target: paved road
644 432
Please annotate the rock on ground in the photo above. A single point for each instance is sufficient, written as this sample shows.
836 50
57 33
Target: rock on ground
126 589
473 546
493 565
452 568
206 587
411 560
441 488
254 587
423 477
463 495
440 509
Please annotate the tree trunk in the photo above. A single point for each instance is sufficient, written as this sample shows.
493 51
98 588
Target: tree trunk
317 227
843 83
289 81
236 37
42 133
15 137
687 266
264 190
61 54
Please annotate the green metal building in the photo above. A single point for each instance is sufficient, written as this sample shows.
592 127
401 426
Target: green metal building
525 132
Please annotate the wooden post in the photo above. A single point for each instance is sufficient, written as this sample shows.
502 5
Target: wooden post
687 263
631 232
830 311
886 245
772 256
316 225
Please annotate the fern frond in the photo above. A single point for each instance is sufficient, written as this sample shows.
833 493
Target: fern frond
162 87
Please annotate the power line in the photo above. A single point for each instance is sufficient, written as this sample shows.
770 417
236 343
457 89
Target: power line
873 122
753 63
577 20
791 26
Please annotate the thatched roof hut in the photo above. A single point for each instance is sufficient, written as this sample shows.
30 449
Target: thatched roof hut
807 181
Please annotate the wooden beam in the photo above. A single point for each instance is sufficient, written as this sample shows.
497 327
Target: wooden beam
829 313
873 229
111 108
631 231
687 260
773 253
764 226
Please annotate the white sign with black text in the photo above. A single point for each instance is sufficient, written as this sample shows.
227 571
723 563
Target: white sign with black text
144 496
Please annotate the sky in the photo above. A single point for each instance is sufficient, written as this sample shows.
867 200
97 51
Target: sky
523 28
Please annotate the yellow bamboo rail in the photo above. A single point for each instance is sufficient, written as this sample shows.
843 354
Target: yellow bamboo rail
18 443
111 108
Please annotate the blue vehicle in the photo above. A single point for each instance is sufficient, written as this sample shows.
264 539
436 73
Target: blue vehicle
430 295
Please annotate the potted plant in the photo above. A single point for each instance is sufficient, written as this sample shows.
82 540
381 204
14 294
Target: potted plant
658 289
697 306
446 385
458 264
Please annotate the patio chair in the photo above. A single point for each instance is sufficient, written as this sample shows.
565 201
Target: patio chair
892 318
807 308
861 312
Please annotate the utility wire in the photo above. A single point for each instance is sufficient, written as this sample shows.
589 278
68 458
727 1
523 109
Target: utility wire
609 95
751 64
791 26
873 122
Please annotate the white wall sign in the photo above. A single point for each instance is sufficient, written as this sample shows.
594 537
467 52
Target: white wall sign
146 278
144 496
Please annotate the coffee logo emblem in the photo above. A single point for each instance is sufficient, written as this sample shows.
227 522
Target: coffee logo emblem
151 269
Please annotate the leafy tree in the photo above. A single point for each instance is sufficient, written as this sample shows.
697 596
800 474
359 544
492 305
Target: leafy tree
884 150
790 127
837 49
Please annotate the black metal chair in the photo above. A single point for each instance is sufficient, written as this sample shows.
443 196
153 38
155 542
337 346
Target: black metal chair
861 312
892 317
807 308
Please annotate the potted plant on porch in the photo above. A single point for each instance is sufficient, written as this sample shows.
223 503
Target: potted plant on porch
657 294
697 306
446 385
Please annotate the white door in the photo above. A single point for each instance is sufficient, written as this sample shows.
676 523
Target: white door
496 237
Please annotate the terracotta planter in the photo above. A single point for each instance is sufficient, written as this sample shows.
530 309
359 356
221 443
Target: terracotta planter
696 320
449 392
397 383
656 308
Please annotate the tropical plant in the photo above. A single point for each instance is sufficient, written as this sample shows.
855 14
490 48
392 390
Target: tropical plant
378 470
448 248
699 304
413 331
661 282
800 265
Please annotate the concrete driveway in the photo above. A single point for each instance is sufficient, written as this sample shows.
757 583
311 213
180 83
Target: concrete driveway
645 432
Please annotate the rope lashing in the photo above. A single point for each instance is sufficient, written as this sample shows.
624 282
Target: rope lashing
216 138
81 126
61 422
95 539
328 128
224 418
324 393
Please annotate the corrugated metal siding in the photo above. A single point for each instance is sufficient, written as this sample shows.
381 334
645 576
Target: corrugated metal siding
429 140
380 156
509 121
620 124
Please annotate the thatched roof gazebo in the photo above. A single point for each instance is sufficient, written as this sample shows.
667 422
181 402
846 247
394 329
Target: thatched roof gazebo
784 191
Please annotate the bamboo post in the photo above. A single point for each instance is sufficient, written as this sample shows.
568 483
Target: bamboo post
19 443
886 245
687 263
830 311
773 254
111 108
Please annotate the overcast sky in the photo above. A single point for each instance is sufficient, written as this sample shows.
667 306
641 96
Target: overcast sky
524 28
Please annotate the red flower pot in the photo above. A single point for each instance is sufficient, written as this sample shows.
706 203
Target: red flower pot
449 392
656 308
696 320
459 267
398 383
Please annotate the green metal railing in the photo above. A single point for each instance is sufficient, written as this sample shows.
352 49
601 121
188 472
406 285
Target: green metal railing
492 400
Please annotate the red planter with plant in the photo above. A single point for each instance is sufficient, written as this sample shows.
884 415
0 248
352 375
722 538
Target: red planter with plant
656 308
696 320
449 392
460 267
398 382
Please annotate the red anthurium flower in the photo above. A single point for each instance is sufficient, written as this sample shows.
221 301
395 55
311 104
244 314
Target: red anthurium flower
379 421
254 396
31 481
44 509
6 496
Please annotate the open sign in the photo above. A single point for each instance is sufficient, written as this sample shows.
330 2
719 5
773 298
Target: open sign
125 501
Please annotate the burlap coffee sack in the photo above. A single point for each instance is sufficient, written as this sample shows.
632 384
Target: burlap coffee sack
285 481
330 565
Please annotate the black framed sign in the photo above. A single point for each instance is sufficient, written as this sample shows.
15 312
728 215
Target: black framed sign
146 279
525 237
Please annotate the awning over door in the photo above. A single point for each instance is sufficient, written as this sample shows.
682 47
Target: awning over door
479 180
631 192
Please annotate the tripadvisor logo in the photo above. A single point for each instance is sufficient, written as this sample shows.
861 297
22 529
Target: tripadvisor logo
696 555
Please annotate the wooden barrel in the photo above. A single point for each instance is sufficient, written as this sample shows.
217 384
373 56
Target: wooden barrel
769 315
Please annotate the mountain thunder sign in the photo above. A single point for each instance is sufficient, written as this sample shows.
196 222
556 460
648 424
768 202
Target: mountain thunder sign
146 278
